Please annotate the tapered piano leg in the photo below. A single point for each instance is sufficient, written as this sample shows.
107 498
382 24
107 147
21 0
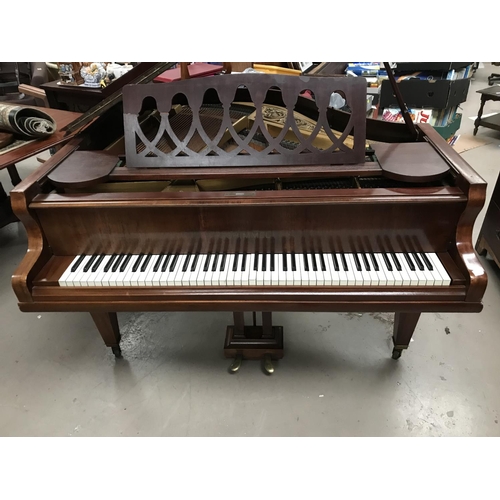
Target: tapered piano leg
253 342
107 324
404 326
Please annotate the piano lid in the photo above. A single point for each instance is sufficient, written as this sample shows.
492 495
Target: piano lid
197 147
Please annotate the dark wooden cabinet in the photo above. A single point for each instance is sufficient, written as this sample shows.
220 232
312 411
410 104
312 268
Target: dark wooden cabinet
489 237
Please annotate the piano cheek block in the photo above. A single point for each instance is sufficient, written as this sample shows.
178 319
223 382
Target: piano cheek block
275 220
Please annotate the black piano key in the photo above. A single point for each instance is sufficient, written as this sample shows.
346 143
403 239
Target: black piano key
76 265
387 262
313 261
235 262
145 263
335 262
158 262
165 263
174 262
95 267
186 263
356 261
207 263
137 262
344 262
294 263
418 261
322 261
427 261
244 262
374 262
411 265
195 262
306 262
396 261
125 262
285 262
214 265
256 262
264 262
223 262
272 262
117 263
365 260
90 262
108 265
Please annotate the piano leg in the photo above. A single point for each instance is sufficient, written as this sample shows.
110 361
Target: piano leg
253 342
404 326
107 324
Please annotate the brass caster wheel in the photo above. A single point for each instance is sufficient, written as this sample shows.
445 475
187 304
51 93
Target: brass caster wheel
236 364
117 351
268 365
396 353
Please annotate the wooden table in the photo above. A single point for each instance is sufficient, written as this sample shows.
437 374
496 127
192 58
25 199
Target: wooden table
9 160
80 99
493 122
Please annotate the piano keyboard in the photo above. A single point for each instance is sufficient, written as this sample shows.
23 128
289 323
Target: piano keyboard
292 269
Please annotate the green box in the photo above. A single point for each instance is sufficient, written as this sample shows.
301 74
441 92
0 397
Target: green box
450 130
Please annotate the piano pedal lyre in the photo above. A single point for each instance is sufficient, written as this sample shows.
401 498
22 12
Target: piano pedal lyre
253 342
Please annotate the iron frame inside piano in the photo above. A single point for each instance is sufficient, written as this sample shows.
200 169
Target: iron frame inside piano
51 247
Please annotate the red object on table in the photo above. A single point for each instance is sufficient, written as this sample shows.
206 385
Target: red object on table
195 70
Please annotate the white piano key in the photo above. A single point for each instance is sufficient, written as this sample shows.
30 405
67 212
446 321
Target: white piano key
334 279
320 274
186 275
142 277
438 279
267 272
381 275
342 274
297 274
288 273
358 276
279 269
193 277
245 274
252 277
149 279
398 281
64 279
200 278
383 266
173 267
234 276
161 276
125 277
108 275
367 279
442 271
259 277
427 273
411 273
373 274
80 273
405 269
275 275
327 275
227 275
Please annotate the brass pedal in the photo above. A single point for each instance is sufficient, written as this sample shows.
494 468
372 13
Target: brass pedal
236 364
268 365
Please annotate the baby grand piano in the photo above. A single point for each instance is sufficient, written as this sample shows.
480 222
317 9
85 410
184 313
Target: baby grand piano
239 193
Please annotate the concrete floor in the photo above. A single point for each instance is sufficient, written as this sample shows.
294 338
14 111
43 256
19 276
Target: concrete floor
336 379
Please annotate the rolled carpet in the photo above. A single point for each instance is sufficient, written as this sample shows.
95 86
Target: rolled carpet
26 121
